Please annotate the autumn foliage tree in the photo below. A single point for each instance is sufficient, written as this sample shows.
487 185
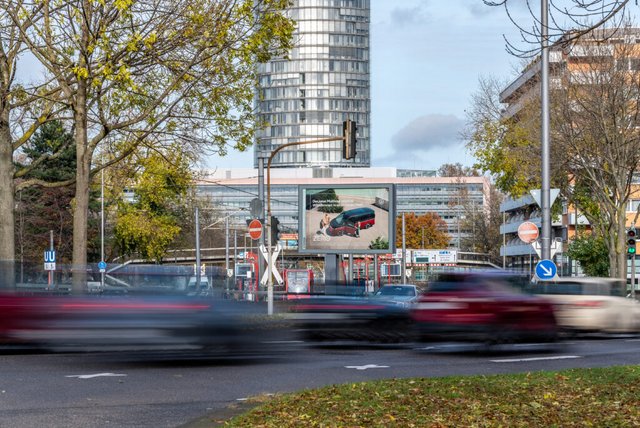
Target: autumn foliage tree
422 231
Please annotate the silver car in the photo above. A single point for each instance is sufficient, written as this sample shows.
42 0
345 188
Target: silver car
402 294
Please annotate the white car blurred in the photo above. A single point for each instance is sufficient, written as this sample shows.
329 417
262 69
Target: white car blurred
585 304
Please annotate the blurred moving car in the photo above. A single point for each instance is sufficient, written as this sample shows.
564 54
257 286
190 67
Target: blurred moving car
203 289
352 319
585 304
484 307
135 323
402 294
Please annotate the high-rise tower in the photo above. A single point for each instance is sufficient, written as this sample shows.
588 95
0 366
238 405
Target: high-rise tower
324 81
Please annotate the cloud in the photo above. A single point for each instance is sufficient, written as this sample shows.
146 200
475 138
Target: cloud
481 9
426 142
428 132
403 16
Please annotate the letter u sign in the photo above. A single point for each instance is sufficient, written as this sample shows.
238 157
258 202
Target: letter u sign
49 256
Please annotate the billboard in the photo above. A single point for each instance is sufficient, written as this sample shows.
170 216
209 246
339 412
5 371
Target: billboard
346 219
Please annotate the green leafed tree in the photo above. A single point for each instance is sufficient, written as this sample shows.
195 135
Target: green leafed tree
379 244
49 157
592 253
150 224
152 72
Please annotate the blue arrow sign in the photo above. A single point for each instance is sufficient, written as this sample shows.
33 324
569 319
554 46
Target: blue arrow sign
102 265
546 269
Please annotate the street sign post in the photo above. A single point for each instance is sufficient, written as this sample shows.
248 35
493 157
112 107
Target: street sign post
255 229
528 232
546 270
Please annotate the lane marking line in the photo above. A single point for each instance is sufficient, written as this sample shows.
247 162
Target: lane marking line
367 366
90 376
520 360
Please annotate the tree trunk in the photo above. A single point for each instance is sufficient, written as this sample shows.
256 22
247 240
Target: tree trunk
7 213
81 206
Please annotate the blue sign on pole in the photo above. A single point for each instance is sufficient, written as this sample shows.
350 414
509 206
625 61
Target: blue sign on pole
546 269
50 256
102 266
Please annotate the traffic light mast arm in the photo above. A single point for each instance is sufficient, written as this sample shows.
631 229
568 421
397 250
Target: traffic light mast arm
284 146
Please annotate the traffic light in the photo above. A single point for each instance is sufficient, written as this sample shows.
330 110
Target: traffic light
349 129
274 231
631 241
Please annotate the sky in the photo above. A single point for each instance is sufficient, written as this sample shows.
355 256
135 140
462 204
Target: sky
426 60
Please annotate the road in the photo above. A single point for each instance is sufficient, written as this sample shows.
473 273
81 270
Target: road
96 390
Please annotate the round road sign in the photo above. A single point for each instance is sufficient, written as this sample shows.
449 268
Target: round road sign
528 232
255 229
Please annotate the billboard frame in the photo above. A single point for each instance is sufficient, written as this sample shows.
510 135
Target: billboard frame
302 219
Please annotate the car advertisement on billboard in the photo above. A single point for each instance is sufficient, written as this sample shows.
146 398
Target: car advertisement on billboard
347 219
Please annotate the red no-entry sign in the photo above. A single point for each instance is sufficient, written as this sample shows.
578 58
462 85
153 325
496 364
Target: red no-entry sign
528 232
255 229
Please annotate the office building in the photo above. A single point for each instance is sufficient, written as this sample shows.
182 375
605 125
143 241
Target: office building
323 81
419 192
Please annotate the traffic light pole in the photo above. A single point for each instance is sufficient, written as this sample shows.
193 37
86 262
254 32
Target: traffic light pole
631 251
633 277
268 219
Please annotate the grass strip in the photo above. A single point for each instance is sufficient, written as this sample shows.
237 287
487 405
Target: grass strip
603 397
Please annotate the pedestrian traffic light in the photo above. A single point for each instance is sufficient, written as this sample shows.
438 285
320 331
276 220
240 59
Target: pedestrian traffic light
631 241
274 230
349 129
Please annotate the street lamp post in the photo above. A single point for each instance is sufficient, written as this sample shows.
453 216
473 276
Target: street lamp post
545 190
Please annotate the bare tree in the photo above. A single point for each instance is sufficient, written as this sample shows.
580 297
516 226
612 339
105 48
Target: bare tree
457 170
482 224
568 20
24 107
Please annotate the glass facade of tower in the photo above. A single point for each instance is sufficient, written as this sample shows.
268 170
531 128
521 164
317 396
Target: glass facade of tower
324 81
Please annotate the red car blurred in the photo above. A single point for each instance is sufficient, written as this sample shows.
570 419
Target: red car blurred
485 307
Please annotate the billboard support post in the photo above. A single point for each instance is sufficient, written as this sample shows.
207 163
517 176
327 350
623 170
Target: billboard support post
404 253
331 269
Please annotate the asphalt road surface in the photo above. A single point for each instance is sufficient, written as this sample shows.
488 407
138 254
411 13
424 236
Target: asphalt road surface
98 390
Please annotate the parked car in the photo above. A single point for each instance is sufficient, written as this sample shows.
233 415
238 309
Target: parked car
402 294
352 221
591 304
484 307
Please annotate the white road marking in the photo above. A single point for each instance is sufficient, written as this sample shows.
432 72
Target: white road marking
367 366
90 376
519 360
